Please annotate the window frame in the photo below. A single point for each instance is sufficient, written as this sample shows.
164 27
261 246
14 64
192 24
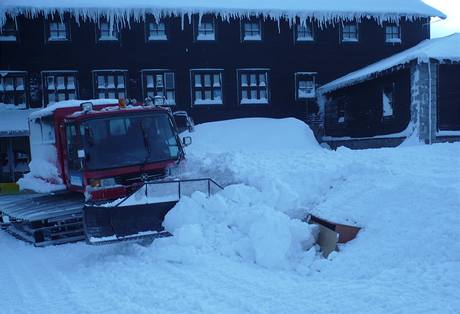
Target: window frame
154 72
66 91
66 31
5 32
14 75
297 76
342 32
109 72
197 23
392 40
193 86
151 20
385 89
305 40
252 20
257 72
98 29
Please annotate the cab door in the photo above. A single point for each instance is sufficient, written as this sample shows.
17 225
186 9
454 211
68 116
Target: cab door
74 156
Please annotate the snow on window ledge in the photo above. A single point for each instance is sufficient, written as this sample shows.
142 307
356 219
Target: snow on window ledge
393 40
162 37
108 38
261 101
208 102
206 37
305 39
252 37
7 38
58 39
350 40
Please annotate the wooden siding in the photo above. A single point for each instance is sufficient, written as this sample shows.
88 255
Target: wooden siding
180 53
363 107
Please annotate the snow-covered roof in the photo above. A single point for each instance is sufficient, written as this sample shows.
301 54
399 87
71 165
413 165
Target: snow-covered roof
14 122
68 104
441 49
324 11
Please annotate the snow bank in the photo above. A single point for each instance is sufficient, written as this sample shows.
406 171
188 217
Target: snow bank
123 11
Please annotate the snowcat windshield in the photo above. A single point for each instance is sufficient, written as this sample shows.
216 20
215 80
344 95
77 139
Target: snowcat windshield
127 141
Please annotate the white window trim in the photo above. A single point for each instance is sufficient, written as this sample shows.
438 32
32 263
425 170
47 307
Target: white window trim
192 87
242 34
94 81
296 83
239 92
24 75
199 37
150 38
157 71
349 40
397 40
9 38
46 73
303 40
109 38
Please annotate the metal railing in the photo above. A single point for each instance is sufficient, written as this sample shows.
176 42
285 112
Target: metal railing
169 191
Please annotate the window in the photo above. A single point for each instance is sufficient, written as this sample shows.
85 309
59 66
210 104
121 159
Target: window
59 86
205 30
156 31
107 32
392 33
9 31
304 32
159 83
253 85
13 89
58 31
206 87
350 32
388 101
305 85
251 30
341 113
110 84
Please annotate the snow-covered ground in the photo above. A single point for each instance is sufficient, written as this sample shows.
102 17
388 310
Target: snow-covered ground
245 249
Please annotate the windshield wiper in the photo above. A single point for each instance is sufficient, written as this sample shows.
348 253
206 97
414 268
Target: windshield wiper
146 145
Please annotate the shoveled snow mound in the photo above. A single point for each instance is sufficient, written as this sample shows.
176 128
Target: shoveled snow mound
253 134
239 222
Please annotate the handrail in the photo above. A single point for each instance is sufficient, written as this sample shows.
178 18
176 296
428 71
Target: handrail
179 182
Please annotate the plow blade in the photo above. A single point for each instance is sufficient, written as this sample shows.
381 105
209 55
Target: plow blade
141 214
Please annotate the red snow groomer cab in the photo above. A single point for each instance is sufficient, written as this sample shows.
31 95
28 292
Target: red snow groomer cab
123 159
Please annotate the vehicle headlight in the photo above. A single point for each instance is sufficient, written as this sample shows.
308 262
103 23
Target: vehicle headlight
106 182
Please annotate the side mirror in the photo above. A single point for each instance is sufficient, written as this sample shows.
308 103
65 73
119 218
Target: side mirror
187 140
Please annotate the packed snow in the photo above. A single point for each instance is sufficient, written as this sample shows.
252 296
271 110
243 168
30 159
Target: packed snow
246 248
444 49
121 11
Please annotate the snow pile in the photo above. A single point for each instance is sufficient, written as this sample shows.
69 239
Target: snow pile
69 104
442 49
44 175
239 223
123 12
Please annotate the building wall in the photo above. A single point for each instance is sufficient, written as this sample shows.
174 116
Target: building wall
362 108
277 51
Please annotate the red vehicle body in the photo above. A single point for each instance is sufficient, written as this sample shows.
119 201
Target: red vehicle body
71 148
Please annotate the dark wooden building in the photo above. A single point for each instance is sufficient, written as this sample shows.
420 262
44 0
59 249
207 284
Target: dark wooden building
254 59
415 93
